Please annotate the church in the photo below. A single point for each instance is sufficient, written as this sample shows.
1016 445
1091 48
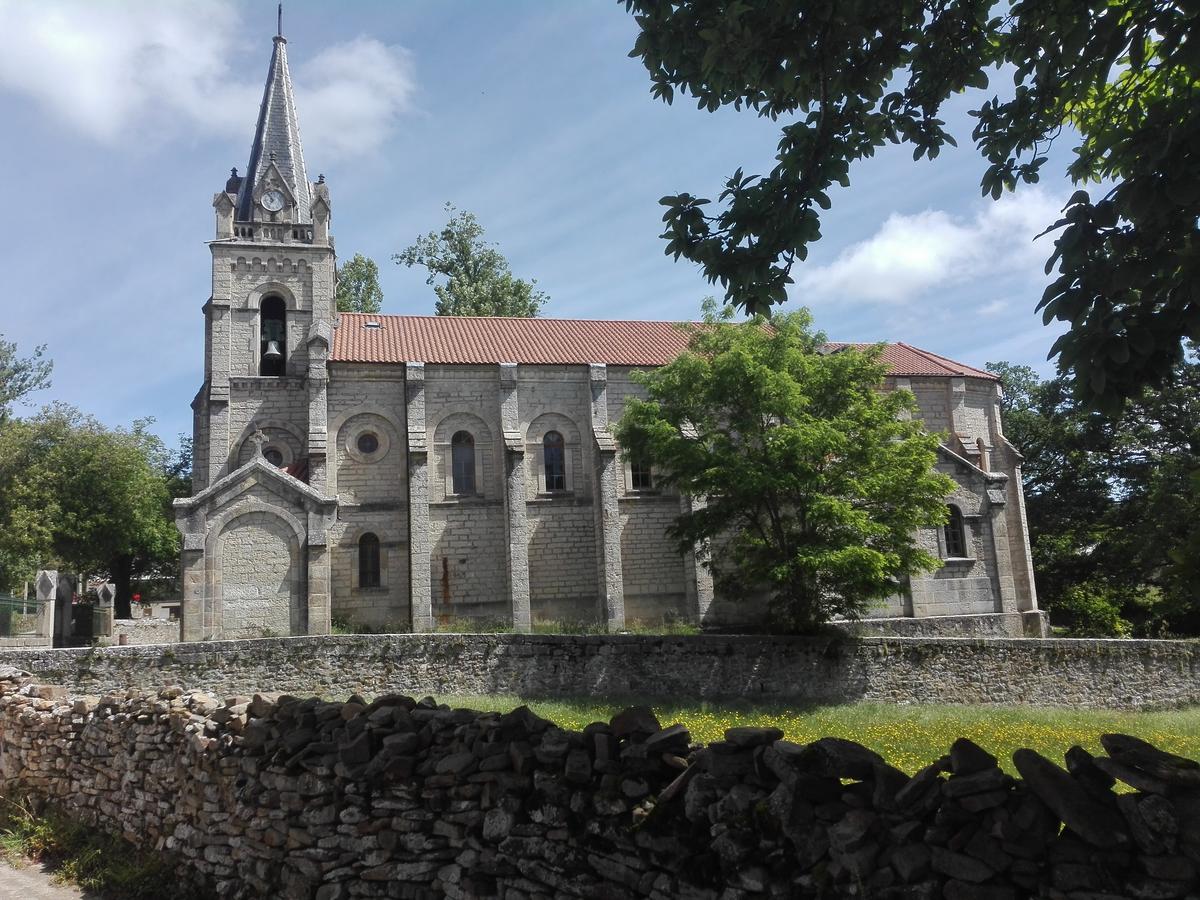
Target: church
399 471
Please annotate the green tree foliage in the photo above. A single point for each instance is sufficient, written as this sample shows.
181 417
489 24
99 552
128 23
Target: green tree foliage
89 498
1113 501
1093 609
358 286
850 77
814 484
20 376
478 281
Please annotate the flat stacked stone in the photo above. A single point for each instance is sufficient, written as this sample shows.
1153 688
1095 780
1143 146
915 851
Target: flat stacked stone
271 795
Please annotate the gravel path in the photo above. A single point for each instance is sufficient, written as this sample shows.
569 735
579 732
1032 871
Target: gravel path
31 882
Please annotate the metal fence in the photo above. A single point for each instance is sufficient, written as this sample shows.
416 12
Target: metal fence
18 616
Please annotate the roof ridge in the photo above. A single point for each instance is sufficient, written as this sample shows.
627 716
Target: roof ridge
521 319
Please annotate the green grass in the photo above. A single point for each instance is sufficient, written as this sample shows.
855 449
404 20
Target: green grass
666 625
909 737
83 855
473 625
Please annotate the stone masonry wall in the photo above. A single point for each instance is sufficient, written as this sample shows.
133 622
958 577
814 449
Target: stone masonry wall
1084 673
965 585
468 559
385 605
651 565
562 559
372 493
257 399
146 631
275 796
369 478
261 578
989 625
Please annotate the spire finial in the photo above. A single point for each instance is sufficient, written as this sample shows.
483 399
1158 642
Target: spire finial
279 21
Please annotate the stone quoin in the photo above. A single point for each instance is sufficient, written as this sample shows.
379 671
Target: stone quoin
393 470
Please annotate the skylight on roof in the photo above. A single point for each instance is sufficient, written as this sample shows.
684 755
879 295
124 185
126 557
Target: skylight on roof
372 324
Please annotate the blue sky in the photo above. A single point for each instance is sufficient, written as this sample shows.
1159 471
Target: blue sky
122 119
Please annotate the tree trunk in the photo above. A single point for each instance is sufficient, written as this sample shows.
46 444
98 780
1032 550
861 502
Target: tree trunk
121 572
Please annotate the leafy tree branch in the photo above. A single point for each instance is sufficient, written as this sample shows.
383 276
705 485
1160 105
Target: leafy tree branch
852 77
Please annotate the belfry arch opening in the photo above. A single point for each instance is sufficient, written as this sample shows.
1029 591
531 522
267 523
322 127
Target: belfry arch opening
272 351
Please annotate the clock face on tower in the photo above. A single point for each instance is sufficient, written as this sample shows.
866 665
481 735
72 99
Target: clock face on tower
272 201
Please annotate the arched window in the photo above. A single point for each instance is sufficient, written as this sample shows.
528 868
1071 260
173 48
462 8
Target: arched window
462 462
368 561
556 463
956 539
272 351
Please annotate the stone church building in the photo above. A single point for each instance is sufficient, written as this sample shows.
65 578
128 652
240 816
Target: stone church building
398 470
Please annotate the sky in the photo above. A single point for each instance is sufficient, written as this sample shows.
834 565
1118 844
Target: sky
122 119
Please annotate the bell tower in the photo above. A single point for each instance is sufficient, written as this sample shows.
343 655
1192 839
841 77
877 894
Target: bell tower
268 323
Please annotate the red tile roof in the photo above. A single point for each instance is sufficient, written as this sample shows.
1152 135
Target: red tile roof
464 340
905 361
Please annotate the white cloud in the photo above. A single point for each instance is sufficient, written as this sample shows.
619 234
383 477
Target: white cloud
119 72
354 93
912 254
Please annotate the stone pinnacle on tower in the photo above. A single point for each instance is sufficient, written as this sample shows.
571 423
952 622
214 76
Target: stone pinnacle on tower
277 138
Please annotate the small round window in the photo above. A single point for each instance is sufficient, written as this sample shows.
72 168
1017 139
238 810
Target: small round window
367 443
273 456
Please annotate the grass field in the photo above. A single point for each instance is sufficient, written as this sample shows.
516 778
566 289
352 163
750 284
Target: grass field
909 737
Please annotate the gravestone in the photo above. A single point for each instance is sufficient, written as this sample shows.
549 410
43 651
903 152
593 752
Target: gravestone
46 586
102 625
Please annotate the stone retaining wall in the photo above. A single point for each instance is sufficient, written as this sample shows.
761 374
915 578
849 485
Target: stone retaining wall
984 625
1091 673
25 640
145 631
280 797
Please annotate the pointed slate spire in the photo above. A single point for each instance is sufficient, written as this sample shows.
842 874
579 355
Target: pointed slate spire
277 141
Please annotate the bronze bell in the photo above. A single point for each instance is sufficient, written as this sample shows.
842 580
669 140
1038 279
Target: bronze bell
272 353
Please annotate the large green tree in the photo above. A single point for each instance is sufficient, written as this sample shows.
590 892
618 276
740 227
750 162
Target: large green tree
851 76
87 497
469 275
20 376
1113 501
813 482
358 286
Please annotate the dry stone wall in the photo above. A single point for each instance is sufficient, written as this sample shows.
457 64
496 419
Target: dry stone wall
276 796
1085 673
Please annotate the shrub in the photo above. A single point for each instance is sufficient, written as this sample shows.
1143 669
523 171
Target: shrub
1092 609
101 864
